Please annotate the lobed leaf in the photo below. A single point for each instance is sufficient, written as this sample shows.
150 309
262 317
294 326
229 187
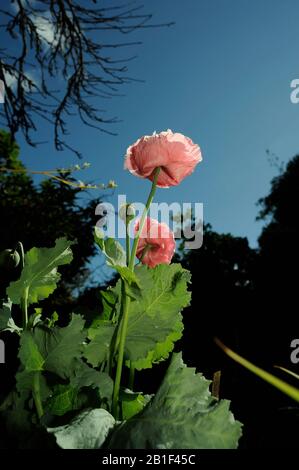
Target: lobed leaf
88 430
155 322
39 276
182 415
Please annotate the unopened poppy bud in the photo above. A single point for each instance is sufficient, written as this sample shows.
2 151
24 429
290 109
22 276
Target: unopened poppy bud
9 259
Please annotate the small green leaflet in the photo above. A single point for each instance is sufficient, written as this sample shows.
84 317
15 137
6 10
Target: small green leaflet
39 276
115 255
5 314
132 403
111 248
6 321
182 415
88 430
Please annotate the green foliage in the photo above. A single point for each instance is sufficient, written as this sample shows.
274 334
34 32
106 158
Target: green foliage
6 321
155 320
162 350
38 214
5 314
67 369
88 430
97 350
85 376
115 256
111 248
182 415
25 384
110 299
9 151
39 276
132 403
53 349
64 398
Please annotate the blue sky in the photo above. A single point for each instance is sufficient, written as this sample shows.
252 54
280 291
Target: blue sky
220 75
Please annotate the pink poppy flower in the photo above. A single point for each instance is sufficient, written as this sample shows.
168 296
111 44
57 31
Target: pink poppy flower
176 154
156 244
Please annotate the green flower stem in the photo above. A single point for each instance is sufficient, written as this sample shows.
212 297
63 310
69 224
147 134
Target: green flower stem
36 395
24 300
125 300
125 308
142 220
24 306
127 241
20 250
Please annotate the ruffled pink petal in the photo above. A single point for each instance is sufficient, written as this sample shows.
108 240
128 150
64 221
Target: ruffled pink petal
176 154
159 241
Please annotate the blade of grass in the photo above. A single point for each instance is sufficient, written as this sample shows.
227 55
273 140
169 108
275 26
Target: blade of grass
287 371
284 387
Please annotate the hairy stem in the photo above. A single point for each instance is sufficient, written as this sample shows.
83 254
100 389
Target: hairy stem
143 217
127 241
126 305
125 300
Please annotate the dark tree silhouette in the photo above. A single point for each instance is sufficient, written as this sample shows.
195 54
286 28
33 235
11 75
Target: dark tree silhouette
70 40
276 279
222 279
38 214
278 241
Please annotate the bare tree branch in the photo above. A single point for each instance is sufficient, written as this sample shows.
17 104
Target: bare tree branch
60 43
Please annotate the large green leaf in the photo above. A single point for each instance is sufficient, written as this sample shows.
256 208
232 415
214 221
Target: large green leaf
58 350
53 349
39 276
77 393
182 415
88 430
155 321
